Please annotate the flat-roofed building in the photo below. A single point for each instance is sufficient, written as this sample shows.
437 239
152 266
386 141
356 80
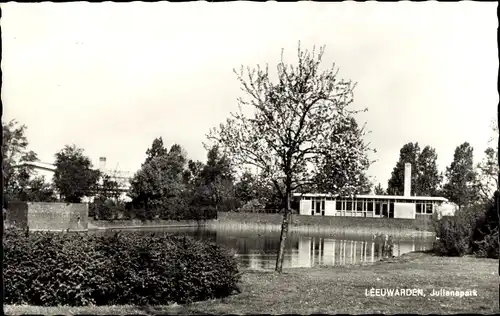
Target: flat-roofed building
391 206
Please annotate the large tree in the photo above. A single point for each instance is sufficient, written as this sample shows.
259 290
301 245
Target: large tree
157 150
342 170
74 176
379 190
247 188
428 176
217 177
14 152
461 185
425 176
285 126
408 154
158 185
488 168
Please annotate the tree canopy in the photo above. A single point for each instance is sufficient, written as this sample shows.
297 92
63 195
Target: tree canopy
425 176
342 170
294 119
74 176
461 185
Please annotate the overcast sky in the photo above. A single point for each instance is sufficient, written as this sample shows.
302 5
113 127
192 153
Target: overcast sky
111 77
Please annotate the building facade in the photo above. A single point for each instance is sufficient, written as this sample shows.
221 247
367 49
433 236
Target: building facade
388 206
121 177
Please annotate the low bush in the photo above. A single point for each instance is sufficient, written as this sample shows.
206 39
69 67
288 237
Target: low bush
49 269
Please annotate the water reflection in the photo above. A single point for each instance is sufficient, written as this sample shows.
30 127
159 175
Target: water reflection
258 250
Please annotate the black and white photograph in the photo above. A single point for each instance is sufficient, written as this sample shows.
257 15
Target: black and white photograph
248 158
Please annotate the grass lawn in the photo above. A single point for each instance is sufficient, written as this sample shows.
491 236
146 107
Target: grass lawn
330 290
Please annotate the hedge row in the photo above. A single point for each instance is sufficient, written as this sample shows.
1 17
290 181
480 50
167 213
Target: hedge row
50 269
110 211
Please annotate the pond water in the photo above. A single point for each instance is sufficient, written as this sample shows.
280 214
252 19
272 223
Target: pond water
257 250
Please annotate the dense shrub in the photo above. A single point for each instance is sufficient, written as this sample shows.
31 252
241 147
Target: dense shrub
127 268
455 235
472 230
108 210
252 206
485 237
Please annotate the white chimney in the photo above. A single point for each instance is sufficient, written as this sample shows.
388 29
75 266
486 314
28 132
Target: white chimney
102 164
407 188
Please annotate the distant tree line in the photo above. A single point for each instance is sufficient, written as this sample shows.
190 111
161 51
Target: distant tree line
463 182
168 184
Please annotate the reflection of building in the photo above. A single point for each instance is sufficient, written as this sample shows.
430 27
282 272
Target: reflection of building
330 252
326 251
405 206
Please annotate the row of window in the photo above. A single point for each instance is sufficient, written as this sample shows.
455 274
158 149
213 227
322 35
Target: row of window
366 200
368 206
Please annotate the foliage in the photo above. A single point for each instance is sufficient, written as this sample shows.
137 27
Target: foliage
455 234
51 269
294 119
14 153
157 150
425 177
247 188
428 176
37 190
74 177
408 154
217 179
253 206
108 188
473 230
485 235
379 190
488 173
342 170
107 209
160 179
462 185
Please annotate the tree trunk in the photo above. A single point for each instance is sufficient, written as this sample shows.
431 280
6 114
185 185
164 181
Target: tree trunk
284 233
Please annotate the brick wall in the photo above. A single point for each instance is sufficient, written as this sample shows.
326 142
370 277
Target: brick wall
48 216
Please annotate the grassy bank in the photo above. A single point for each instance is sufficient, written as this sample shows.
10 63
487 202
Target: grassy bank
338 290
340 226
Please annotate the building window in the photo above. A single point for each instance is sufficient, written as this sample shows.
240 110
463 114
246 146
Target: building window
428 208
370 206
348 206
391 209
385 211
377 208
312 204
418 208
338 205
359 206
323 205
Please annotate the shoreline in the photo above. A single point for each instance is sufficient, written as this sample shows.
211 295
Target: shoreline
271 223
328 230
